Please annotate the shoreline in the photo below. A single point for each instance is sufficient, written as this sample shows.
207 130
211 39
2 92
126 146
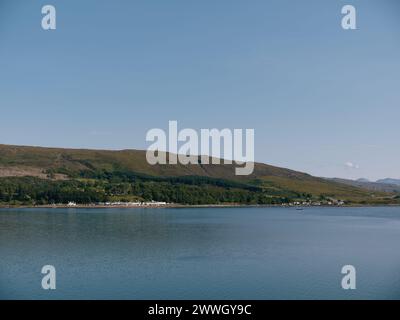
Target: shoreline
182 206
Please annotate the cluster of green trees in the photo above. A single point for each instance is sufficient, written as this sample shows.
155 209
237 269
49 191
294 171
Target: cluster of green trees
29 190
94 187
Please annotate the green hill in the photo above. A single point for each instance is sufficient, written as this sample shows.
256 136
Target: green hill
45 175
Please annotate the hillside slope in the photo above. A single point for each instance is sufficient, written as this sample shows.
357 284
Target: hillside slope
57 164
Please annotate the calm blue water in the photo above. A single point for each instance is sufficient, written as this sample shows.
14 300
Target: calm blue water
210 253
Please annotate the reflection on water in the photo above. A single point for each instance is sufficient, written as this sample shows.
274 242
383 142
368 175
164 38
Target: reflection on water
207 253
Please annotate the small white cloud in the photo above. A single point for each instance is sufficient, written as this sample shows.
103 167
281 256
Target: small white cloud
351 165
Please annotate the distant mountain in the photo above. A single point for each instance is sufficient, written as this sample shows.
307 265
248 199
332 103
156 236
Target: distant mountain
56 174
389 181
366 184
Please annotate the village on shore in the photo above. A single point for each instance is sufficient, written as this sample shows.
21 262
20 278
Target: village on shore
152 204
330 202
121 204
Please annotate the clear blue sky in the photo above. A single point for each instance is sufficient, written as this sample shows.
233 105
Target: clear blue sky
317 96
